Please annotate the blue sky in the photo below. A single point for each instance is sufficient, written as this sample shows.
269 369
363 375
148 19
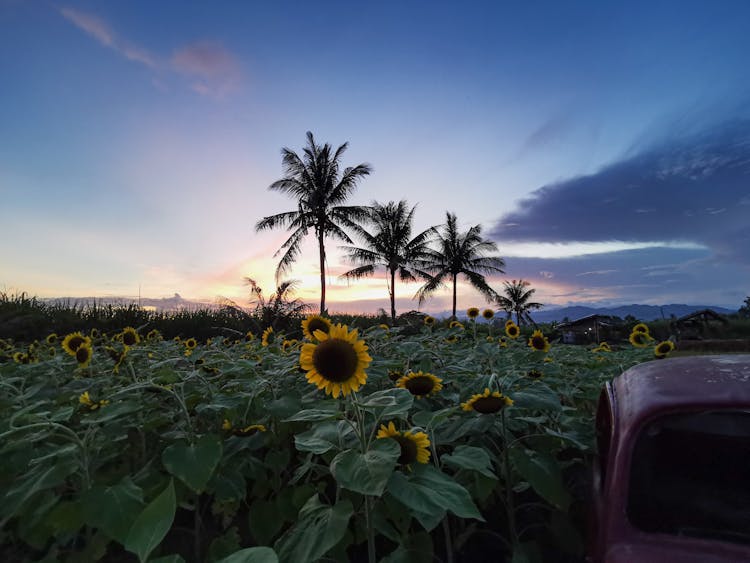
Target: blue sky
139 140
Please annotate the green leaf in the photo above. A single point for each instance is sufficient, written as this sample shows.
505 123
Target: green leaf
38 479
318 529
367 473
224 545
113 509
417 548
228 483
321 438
195 463
538 397
542 471
265 520
152 524
429 491
313 415
174 558
252 555
472 458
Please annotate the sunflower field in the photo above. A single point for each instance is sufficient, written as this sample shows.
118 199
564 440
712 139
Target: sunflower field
468 442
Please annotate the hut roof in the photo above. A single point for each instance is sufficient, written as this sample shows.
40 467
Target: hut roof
703 315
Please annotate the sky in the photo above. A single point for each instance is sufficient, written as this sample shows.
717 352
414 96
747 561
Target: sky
605 148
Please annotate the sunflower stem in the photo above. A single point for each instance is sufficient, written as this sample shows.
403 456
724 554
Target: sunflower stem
371 557
508 489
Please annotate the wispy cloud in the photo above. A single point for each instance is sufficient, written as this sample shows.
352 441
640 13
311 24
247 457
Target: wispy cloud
101 31
214 71
210 69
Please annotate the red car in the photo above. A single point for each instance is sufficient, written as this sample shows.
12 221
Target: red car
672 479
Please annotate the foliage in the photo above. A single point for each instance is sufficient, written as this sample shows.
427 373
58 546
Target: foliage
460 254
390 246
281 308
225 452
517 299
321 189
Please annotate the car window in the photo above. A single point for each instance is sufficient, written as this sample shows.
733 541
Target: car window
690 475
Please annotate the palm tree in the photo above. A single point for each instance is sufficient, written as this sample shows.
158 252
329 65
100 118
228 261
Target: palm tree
390 246
460 253
320 188
279 307
516 300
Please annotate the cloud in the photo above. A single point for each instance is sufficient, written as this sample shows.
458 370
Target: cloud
213 69
549 132
99 30
690 189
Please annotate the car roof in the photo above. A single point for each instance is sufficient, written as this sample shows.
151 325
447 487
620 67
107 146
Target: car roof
676 384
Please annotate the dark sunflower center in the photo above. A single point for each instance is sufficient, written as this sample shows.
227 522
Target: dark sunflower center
421 385
537 342
662 348
640 338
394 375
488 405
534 374
317 324
335 359
82 354
512 331
488 314
128 338
408 450
473 313
75 342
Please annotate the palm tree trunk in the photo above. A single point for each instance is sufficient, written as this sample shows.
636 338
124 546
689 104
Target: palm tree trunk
454 296
393 296
322 250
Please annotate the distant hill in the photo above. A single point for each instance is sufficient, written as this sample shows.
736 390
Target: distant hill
640 312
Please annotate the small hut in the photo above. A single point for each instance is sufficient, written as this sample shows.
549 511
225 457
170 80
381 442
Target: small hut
588 329
697 325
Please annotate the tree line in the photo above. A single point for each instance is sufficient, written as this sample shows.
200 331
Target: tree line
437 256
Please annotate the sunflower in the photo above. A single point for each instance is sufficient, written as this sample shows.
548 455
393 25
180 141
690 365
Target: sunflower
191 343
420 384
503 342
429 321
94 333
662 349
21 358
472 312
491 339
509 322
287 344
85 399
640 327
512 330
313 323
487 403
268 337
488 314
534 374
51 338
73 341
153 335
415 446
639 339
84 355
130 336
452 339
455 324
395 374
539 342
603 347
249 430
249 337
337 362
